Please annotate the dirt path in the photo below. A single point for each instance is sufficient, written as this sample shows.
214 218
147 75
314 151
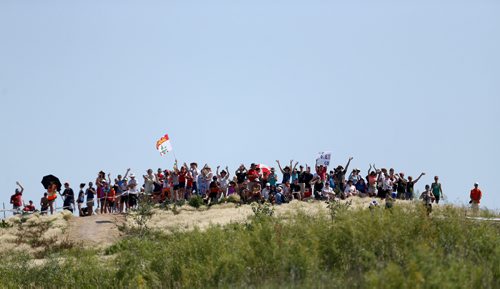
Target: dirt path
96 230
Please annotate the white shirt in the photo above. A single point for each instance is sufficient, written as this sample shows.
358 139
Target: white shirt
195 173
350 189
265 193
327 190
149 184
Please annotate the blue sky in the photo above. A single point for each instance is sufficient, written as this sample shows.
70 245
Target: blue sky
90 85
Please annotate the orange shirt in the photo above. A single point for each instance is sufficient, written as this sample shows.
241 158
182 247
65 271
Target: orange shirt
476 195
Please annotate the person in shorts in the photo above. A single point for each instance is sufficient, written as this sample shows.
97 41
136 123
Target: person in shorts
436 189
81 199
90 193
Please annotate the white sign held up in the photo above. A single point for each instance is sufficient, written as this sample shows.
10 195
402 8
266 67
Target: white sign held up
323 159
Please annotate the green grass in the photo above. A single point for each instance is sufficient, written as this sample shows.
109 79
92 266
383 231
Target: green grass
397 248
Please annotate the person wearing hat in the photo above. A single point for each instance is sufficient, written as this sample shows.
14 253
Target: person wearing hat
266 191
132 192
17 198
475 197
354 176
339 176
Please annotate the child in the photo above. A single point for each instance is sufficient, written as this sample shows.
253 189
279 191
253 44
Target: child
428 197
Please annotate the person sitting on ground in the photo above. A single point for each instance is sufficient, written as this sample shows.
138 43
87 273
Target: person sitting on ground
278 197
232 188
475 197
327 192
427 198
266 191
350 190
436 189
362 188
30 207
214 191
308 195
295 189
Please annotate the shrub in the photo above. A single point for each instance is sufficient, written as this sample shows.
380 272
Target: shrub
195 201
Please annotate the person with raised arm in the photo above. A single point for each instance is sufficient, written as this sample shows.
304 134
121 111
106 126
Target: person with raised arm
17 199
372 178
121 194
223 179
287 171
339 176
410 184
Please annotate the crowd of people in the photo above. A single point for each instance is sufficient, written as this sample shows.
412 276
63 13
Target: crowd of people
257 183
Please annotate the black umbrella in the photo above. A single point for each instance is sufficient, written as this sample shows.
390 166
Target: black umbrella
47 180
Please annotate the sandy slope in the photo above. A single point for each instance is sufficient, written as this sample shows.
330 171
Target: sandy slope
102 230
96 230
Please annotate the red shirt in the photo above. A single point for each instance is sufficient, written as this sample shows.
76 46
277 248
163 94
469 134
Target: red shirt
182 176
476 195
189 181
252 175
16 200
29 208
321 171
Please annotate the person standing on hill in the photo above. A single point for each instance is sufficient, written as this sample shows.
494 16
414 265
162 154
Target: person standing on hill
69 198
81 199
90 193
428 198
17 199
410 185
475 197
44 204
437 191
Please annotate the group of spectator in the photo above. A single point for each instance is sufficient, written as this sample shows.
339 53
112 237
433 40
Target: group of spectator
257 183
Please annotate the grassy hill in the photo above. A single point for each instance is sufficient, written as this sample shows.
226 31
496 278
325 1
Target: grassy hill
293 247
